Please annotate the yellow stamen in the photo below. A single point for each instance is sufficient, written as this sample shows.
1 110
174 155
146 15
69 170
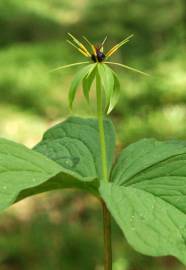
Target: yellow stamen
102 44
80 50
82 47
104 41
117 46
91 45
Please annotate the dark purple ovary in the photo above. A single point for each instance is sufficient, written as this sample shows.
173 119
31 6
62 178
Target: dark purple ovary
99 57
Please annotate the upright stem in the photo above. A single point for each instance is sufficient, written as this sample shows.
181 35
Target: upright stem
106 214
101 127
107 238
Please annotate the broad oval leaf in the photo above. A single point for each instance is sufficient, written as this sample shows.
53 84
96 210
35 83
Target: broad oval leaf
147 197
74 144
24 172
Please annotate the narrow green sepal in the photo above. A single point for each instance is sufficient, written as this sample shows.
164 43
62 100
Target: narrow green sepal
76 82
107 81
88 80
115 95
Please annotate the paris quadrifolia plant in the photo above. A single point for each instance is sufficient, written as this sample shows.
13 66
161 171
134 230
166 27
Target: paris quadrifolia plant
143 188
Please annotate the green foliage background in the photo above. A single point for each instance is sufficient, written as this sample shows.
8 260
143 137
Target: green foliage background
54 231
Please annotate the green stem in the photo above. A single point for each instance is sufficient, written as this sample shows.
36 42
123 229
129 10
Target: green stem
101 126
106 214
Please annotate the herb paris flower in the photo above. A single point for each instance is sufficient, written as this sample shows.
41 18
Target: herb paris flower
97 64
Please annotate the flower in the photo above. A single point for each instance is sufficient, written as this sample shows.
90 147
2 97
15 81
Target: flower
97 64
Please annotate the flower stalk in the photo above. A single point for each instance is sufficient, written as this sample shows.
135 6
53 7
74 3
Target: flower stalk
101 126
106 214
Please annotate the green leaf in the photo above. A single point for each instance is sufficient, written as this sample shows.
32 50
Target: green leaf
24 172
76 81
107 80
74 144
147 197
115 95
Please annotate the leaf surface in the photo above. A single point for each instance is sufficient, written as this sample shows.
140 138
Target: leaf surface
147 197
74 144
24 172
69 158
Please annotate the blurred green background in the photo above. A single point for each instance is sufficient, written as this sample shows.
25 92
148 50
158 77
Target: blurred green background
63 230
